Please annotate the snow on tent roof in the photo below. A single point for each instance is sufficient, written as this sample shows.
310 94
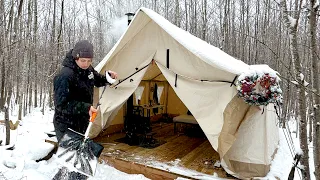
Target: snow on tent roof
208 53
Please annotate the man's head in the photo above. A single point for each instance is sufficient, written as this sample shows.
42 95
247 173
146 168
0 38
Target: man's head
83 54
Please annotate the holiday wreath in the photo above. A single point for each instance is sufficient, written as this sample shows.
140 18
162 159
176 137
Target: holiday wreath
258 88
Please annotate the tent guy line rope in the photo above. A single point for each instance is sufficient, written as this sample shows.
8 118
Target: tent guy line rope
290 145
288 137
285 130
137 70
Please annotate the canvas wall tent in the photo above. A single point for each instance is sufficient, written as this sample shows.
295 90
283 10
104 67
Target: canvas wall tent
200 75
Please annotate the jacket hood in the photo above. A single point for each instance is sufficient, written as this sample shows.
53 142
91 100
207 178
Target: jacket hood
69 61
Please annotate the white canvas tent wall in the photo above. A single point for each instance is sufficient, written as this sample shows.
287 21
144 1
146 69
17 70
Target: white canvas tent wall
200 75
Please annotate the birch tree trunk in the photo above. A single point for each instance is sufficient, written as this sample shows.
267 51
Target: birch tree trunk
225 26
204 20
60 33
4 33
186 9
177 13
52 58
100 31
166 9
2 18
292 26
315 72
9 52
256 31
16 31
88 23
3 75
6 116
18 34
35 56
29 44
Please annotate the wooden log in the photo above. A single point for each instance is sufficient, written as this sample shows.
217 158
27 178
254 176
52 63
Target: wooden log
54 150
11 125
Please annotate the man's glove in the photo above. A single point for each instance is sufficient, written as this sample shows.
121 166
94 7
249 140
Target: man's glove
109 78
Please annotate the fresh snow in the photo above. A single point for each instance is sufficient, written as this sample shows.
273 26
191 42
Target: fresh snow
29 146
316 4
292 21
210 54
301 76
260 70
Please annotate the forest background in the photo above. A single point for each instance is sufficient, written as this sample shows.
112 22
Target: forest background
284 34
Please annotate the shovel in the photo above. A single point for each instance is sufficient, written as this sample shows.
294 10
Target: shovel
80 150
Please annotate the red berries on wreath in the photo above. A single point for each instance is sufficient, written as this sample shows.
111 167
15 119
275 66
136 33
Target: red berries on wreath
259 89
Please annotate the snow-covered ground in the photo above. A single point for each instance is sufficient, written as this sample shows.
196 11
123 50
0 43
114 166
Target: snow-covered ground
29 145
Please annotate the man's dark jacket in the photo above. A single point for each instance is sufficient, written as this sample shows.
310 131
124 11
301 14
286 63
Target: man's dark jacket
73 95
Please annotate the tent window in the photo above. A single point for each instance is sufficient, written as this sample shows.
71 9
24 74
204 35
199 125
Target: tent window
138 93
159 92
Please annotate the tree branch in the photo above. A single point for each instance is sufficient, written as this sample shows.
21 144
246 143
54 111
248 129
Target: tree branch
307 89
264 44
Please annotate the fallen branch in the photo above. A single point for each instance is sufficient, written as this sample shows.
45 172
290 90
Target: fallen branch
12 126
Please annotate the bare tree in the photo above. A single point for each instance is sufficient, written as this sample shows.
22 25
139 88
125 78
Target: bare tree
18 34
30 55
187 14
35 55
204 20
88 22
225 26
177 13
292 26
52 57
315 72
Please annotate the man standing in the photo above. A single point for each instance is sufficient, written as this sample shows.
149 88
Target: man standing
73 89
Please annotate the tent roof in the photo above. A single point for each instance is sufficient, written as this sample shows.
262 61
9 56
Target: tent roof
208 53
